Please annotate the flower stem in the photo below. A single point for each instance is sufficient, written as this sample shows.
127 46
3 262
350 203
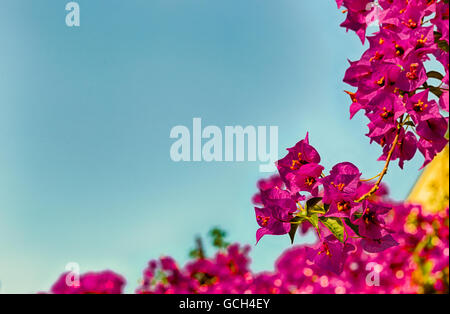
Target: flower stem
367 180
376 187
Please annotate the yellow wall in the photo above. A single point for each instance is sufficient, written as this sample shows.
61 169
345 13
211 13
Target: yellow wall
432 188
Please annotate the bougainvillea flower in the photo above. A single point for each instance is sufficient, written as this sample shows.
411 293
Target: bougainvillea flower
356 22
443 58
405 149
386 109
432 141
444 100
433 129
413 75
392 47
342 183
360 13
106 282
429 149
233 261
267 184
279 197
421 109
274 220
371 221
377 81
365 187
420 43
378 245
411 17
299 155
356 72
358 103
330 254
342 209
305 179
441 20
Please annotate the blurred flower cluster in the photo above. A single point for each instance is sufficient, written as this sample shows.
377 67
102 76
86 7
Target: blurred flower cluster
419 264
105 282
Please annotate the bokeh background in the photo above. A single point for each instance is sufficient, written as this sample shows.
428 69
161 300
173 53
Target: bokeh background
85 116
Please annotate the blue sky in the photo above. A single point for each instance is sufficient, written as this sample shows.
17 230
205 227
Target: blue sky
85 117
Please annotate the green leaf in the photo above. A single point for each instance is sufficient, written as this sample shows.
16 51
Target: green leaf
354 227
293 232
442 44
312 202
194 254
218 236
357 215
295 223
335 226
437 35
314 220
313 207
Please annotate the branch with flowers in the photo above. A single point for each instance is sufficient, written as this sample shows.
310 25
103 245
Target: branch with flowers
393 88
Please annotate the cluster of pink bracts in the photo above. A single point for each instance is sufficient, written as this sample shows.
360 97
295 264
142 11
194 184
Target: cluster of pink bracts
338 207
394 90
392 84
419 264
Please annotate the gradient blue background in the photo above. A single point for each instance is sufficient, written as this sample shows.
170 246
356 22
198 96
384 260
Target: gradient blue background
85 116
